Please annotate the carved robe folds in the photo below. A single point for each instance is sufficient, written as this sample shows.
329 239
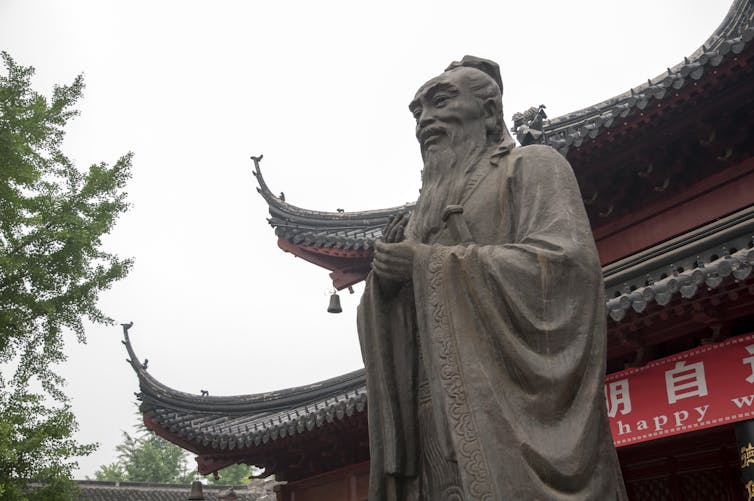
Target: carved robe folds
511 330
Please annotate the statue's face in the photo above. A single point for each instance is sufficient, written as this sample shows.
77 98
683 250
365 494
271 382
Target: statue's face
447 113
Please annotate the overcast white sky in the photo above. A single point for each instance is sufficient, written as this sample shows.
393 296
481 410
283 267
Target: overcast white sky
321 89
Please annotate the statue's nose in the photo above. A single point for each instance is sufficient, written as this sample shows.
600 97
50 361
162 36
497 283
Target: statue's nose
426 118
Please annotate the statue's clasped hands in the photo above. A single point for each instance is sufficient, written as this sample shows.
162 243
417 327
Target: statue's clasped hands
393 255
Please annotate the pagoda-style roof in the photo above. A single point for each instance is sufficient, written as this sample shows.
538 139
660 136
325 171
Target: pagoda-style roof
631 154
234 425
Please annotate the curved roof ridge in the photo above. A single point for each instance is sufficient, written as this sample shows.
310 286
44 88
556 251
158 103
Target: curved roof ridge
733 33
279 207
256 402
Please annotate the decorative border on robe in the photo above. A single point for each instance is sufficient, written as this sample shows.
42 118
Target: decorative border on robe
469 449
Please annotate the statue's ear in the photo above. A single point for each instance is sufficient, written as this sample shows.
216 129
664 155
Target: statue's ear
493 118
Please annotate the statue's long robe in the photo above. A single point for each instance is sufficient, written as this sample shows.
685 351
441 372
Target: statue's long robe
512 333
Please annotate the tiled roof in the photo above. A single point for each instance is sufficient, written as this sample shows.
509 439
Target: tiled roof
579 127
705 258
246 421
338 230
356 231
687 283
92 490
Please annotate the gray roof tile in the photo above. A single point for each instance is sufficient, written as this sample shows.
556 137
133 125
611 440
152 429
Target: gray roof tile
245 421
574 129
92 490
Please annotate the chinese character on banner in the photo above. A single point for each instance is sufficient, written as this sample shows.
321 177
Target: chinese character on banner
617 396
750 361
685 381
747 455
750 489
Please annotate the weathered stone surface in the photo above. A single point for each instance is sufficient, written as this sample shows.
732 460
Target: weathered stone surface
483 322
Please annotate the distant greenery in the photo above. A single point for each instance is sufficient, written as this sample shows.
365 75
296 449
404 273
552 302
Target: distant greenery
147 457
52 269
238 474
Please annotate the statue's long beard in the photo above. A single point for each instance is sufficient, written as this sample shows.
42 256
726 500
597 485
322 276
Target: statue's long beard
444 178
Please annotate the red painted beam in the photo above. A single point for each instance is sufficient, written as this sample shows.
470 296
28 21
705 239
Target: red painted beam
707 200
348 266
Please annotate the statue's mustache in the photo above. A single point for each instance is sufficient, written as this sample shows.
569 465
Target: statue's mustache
430 132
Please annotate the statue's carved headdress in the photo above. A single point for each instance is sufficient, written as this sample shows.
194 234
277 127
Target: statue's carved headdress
486 66
492 70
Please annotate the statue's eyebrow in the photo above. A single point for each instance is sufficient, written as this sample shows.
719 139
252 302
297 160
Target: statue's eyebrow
414 106
442 87
430 92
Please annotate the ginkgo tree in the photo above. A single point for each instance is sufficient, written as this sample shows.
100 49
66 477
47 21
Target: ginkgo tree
53 267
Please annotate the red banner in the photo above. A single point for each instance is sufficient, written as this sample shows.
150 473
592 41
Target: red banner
708 386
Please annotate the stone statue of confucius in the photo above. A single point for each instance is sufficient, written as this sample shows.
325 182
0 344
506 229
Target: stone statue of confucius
482 325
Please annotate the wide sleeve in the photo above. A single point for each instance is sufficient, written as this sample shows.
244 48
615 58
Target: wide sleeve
386 327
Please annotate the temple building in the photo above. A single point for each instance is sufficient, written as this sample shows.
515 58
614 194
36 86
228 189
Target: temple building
666 171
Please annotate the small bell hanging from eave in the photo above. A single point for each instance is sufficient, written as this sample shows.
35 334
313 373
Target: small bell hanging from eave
334 306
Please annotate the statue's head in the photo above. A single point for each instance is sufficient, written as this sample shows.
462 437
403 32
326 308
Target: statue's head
461 105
